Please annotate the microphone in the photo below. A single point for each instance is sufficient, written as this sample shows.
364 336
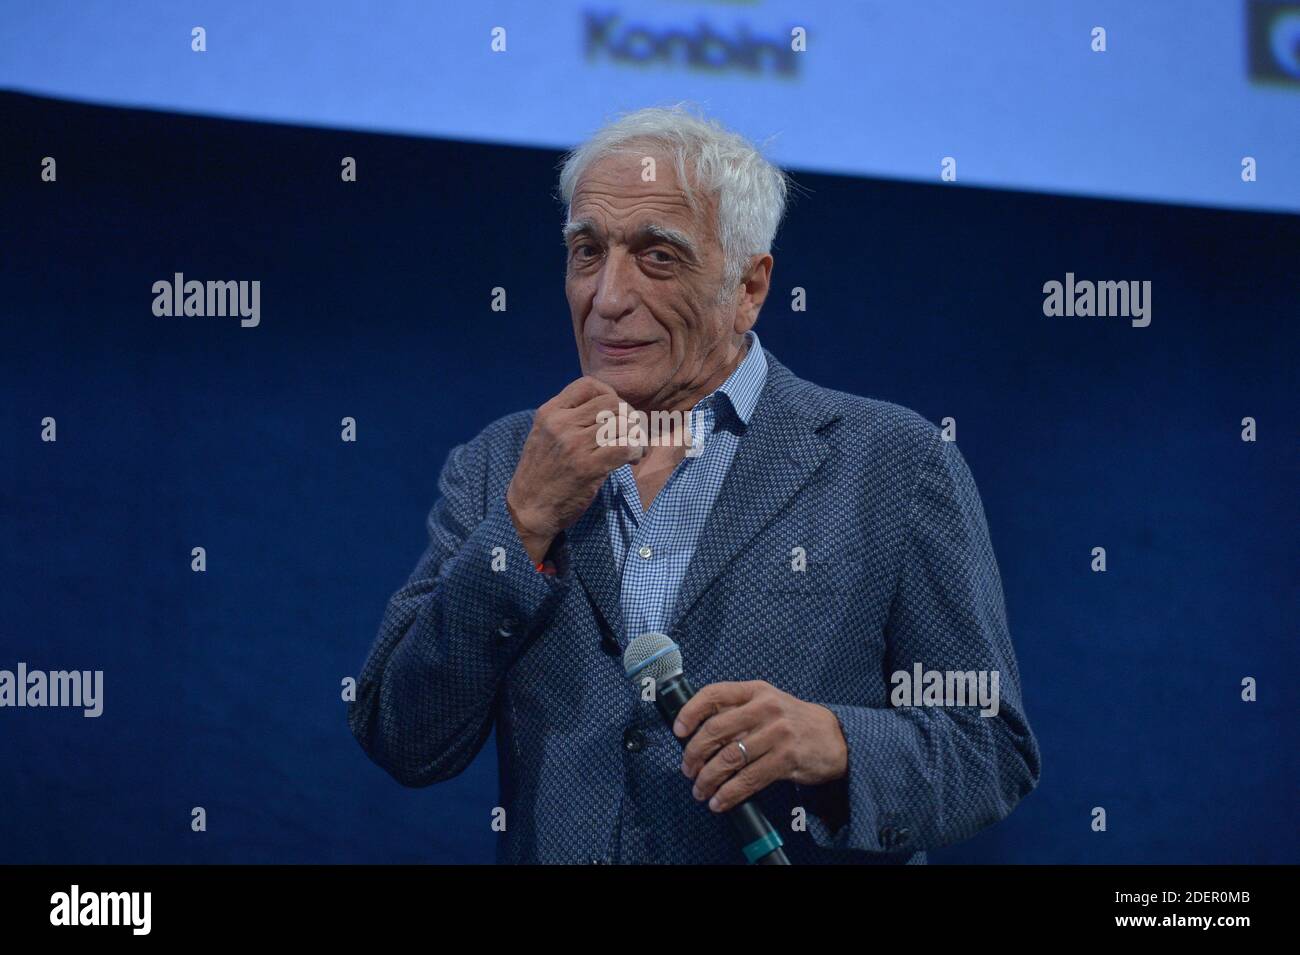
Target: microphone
655 656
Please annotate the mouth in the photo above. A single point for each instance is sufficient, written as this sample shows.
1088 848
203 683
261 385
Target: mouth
612 348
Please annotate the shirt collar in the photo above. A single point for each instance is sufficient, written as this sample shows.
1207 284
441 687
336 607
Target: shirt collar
744 385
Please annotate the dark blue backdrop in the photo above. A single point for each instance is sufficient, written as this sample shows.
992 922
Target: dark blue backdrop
222 689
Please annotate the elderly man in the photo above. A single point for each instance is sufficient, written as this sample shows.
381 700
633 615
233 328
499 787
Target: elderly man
811 551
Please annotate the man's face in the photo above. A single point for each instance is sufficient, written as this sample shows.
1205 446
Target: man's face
643 279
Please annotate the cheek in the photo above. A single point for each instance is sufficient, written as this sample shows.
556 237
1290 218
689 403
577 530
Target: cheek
693 333
684 321
579 298
573 292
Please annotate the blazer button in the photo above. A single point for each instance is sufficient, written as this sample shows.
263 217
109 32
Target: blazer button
888 837
509 627
633 740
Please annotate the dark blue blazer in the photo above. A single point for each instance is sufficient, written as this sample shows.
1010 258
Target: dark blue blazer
899 571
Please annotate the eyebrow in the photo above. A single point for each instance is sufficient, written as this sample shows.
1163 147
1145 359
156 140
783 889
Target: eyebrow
673 237
578 227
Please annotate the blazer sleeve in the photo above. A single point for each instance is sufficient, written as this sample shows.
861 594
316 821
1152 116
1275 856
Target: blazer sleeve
921 777
427 692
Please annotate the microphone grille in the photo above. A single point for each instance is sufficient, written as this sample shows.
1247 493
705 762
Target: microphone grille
652 655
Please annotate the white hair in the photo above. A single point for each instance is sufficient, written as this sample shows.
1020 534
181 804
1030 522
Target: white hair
750 191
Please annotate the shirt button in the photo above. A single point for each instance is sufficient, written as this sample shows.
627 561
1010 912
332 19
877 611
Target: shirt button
645 552
633 740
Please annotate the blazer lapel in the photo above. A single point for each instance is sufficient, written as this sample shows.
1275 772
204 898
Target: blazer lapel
592 559
778 454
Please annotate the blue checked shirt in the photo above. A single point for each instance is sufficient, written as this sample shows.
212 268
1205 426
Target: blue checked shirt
653 548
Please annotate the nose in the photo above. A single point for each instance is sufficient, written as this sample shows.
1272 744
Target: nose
615 296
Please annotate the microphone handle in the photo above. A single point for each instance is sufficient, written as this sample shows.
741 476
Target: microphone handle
759 840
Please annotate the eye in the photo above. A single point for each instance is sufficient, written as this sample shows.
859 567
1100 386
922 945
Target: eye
585 250
662 256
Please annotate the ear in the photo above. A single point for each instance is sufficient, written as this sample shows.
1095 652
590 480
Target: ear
754 287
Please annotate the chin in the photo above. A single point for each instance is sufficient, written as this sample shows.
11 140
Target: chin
627 381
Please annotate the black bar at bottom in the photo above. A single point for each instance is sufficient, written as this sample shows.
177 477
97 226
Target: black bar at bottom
343 904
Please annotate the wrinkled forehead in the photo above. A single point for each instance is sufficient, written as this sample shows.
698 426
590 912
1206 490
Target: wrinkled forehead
638 186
